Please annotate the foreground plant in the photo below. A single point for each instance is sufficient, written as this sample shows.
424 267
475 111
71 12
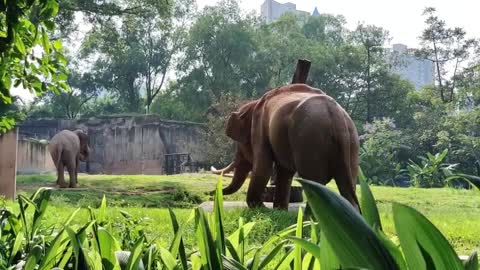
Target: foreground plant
341 239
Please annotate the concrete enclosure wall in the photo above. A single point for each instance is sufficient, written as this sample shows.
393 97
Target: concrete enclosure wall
126 145
33 157
8 164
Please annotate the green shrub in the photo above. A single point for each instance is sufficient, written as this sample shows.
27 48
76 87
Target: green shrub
341 239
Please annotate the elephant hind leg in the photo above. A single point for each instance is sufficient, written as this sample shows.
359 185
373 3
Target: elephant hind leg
60 175
283 182
347 190
72 171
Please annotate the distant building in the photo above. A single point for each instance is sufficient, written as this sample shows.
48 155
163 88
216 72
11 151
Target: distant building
315 12
419 72
271 10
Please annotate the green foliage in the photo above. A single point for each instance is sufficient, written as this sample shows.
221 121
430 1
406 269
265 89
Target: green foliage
341 239
25 25
432 172
382 145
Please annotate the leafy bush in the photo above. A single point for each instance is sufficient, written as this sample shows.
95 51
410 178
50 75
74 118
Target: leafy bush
382 142
432 172
341 238
220 149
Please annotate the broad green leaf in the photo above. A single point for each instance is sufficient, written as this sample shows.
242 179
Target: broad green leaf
285 262
57 44
177 245
54 251
45 42
421 242
393 249
328 259
207 246
33 257
16 245
367 203
271 255
135 255
108 245
307 245
297 262
355 242
20 45
472 262
167 258
218 217
231 264
102 211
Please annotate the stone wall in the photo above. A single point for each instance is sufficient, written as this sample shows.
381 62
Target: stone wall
34 157
8 164
127 145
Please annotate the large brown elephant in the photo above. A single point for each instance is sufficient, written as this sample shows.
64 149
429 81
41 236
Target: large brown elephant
67 149
299 129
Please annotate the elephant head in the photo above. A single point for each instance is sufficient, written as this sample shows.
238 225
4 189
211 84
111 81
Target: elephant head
238 128
84 148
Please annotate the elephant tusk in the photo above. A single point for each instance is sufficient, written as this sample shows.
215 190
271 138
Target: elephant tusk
225 170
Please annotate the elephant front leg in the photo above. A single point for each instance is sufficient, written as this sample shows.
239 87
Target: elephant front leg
283 178
261 173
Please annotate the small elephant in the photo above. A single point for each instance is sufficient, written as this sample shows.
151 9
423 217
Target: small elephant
299 129
67 149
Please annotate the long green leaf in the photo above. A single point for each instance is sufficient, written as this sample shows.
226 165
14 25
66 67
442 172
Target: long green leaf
393 249
472 262
422 243
135 255
310 247
167 258
271 255
108 245
297 262
177 243
54 251
353 240
328 259
207 246
232 264
16 245
367 203
218 216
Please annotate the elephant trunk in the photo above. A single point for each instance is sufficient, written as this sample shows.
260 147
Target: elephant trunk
239 177
225 170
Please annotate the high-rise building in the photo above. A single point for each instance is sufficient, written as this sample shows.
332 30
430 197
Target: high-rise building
271 10
420 72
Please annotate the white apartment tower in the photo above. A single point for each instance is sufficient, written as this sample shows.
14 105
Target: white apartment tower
419 72
271 10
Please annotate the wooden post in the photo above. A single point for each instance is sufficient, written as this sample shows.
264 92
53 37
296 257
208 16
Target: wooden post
8 163
300 76
301 71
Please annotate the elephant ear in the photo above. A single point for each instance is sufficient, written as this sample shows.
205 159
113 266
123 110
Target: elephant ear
239 123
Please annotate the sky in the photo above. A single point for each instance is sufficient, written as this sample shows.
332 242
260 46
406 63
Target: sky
402 18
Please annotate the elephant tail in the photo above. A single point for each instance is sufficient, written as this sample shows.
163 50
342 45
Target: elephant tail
56 153
347 141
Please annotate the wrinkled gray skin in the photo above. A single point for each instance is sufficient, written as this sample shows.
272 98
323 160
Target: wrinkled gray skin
299 129
67 149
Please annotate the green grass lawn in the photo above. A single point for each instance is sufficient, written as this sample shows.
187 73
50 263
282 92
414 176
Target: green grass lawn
455 212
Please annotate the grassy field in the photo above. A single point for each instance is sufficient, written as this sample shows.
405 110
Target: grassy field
455 212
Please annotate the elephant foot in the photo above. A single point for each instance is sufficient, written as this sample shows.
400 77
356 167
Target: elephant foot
256 204
62 185
73 185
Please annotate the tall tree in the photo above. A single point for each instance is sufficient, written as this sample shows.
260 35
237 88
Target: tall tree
26 25
448 48
136 51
